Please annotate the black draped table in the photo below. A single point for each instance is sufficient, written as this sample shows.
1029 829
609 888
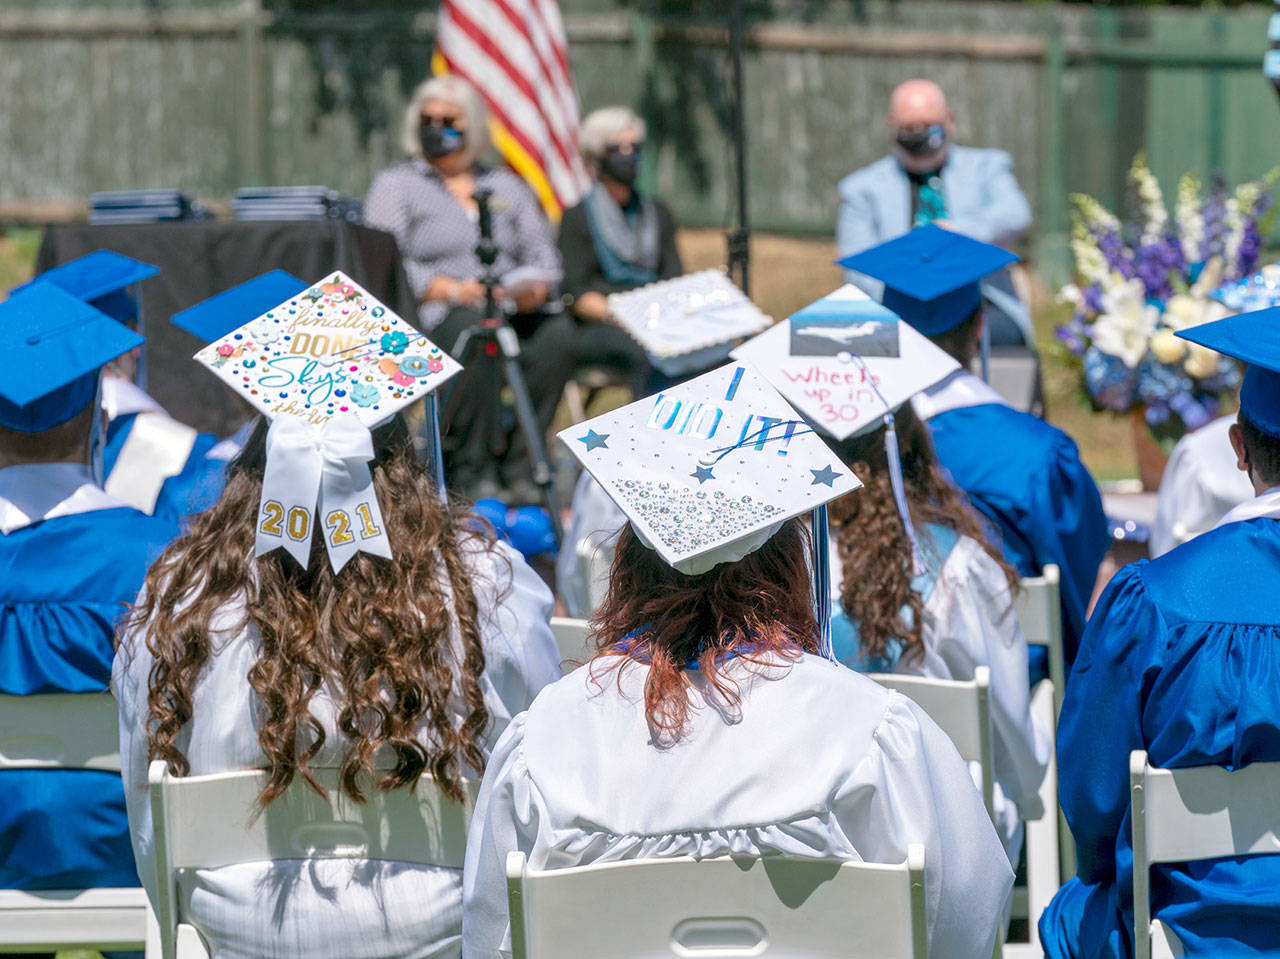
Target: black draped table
200 258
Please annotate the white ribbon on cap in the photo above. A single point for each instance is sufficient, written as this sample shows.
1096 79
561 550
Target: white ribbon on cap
325 466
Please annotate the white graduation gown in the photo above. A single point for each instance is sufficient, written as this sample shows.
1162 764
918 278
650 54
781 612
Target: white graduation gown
348 908
969 621
1200 484
816 761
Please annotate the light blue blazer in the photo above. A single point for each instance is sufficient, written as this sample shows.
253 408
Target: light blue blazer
983 200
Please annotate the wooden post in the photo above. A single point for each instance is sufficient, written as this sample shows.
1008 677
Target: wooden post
252 159
1053 248
1215 102
643 58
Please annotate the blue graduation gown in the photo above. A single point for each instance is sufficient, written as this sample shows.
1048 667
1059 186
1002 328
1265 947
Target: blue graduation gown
1182 659
1025 476
64 583
194 489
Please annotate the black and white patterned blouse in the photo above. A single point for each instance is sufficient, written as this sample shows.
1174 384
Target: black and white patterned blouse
437 237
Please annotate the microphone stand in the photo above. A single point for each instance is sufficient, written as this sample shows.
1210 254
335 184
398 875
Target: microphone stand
493 345
739 239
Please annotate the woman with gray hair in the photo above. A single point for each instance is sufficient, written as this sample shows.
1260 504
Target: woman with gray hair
427 203
617 238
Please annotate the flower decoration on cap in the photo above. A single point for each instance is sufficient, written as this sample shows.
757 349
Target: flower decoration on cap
263 331
362 394
414 366
395 342
308 364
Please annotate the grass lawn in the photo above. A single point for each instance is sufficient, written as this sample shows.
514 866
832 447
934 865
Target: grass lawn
787 273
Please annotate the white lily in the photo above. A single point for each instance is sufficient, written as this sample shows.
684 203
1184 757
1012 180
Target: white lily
1124 327
1071 295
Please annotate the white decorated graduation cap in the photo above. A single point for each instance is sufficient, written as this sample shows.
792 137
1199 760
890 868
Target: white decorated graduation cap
225 312
325 366
844 361
708 470
330 349
930 275
102 279
1253 338
55 345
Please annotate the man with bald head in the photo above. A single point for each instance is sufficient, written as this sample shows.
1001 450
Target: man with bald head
929 179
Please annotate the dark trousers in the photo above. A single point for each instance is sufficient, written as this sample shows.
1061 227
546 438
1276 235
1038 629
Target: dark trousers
552 348
559 346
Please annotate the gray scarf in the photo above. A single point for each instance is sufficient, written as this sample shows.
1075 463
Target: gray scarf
627 246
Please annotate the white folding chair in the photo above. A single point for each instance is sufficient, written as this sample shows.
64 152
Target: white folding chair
719 908
1040 840
571 638
1181 815
1039 608
204 822
66 731
962 710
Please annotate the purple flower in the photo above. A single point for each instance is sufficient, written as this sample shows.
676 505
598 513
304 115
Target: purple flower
1250 250
1152 269
1072 335
1215 212
1093 298
1112 247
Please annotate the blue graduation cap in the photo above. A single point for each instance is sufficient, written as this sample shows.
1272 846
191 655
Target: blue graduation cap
54 345
1255 339
214 318
930 275
101 279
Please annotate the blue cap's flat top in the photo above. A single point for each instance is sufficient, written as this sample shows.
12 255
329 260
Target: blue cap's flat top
95 274
1255 339
231 309
50 339
929 262
1251 337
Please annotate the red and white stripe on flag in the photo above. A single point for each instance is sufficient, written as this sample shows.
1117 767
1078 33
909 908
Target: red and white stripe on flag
514 53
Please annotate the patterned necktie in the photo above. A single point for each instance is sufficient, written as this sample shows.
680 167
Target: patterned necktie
931 205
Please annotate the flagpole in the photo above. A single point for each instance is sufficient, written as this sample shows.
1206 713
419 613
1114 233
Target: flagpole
739 239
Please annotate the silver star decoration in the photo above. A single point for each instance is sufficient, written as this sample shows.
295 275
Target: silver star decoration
702 474
826 476
594 440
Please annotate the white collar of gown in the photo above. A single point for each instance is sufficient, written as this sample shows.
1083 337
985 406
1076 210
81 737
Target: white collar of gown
957 390
121 397
1264 506
32 492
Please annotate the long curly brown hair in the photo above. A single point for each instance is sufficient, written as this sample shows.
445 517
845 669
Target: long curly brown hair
875 554
653 614
380 632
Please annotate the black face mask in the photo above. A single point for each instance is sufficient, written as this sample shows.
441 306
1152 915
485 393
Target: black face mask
622 167
439 141
922 142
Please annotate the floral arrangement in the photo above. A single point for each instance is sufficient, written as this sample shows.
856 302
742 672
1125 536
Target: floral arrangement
1141 280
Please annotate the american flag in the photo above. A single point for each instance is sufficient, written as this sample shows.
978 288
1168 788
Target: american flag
513 52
